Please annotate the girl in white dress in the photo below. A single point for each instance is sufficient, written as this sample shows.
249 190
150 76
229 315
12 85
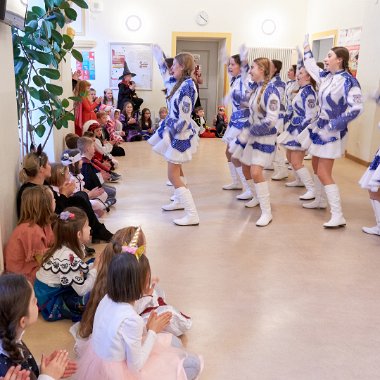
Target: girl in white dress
340 102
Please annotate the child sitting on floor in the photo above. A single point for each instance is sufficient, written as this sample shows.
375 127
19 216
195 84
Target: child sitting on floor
220 121
64 280
204 131
18 311
146 125
33 235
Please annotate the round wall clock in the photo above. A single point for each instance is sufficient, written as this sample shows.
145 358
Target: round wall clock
202 18
133 23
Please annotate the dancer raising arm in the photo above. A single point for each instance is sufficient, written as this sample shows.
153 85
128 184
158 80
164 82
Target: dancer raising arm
340 102
255 146
177 138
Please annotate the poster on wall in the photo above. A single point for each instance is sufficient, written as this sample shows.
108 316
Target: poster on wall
87 67
350 38
139 59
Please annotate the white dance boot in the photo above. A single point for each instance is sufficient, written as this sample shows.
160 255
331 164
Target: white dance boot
191 217
297 181
320 200
262 191
246 194
333 197
279 165
235 185
254 201
306 179
174 205
376 229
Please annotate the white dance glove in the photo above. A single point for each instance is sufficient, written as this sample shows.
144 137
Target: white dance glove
299 53
158 53
243 52
306 41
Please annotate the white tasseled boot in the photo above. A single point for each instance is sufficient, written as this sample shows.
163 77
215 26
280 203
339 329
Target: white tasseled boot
254 201
376 229
320 200
191 217
262 192
297 181
333 197
175 204
246 194
279 165
305 177
235 185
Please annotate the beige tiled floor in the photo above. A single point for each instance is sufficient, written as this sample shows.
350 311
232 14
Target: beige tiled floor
289 301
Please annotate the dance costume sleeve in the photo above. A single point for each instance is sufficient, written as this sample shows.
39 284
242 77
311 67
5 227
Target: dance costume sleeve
312 68
353 107
137 351
309 101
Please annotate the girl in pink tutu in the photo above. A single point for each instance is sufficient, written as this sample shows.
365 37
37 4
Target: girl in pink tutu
119 347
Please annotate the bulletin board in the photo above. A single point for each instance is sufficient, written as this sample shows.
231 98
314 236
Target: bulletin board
350 38
139 59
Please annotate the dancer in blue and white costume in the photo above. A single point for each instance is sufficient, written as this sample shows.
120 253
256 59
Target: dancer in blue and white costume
279 163
238 69
340 102
177 137
371 181
300 114
255 146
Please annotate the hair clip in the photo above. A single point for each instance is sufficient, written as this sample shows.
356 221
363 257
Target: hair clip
66 215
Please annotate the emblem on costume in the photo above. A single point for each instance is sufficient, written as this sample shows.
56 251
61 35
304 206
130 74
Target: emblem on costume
273 105
358 99
186 107
311 103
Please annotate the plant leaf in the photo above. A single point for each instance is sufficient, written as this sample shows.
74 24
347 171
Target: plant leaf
77 55
81 3
54 89
75 98
57 37
19 64
40 130
39 81
44 95
65 103
40 57
60 18
34 93
50 73
71 13
46 27
31 26
40 12
49 4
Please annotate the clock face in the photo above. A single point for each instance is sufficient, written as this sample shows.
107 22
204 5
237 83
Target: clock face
133 23
202 18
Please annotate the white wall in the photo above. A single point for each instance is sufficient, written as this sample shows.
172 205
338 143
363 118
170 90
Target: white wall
325 15
10 148
161 18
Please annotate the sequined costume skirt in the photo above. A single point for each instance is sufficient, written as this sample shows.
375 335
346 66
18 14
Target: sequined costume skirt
371 177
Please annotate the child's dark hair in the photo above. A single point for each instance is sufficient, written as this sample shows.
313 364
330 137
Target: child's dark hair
197 109
294 68
69 223
71 140
144 272
15 295
89 134
278 65
237 59
124 279
143 121
36 206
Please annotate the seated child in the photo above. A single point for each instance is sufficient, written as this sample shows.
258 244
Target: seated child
18 310
108 135
135 238
98 197
146 126
162 113
121 346
131 126
91 175
118 126
64 280
33 235
220 121
136 101
205 131
71 140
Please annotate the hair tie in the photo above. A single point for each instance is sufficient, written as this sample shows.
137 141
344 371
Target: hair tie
66 215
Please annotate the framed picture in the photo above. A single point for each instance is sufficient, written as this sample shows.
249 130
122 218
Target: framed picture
139 59
80 23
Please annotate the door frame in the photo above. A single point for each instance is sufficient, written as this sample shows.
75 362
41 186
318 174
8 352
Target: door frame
207 37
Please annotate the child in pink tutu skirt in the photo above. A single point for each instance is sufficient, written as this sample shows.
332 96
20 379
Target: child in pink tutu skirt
120 347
